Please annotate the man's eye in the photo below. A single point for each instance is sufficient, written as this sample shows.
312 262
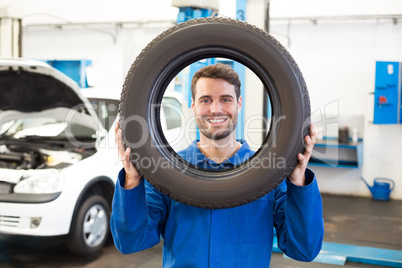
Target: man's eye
226 100
205 101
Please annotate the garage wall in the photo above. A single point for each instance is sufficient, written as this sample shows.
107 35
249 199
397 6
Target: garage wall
111 59
338 61
112 44
337 58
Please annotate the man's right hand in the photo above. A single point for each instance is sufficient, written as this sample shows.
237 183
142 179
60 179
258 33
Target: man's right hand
133 177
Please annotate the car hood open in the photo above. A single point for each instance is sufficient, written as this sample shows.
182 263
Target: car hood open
45 122
33 87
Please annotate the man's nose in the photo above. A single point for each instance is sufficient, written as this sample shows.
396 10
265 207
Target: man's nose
215 107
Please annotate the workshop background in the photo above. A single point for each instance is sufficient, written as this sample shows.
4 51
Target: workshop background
336 46
344 49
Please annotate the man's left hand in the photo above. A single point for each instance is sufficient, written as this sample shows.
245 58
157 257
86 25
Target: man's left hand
298 174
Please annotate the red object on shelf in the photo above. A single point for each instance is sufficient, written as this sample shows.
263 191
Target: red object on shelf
382 99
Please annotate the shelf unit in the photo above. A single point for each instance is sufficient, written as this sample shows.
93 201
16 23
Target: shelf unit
330 153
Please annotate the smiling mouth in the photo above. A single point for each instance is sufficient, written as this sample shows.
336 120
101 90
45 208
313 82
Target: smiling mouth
217 120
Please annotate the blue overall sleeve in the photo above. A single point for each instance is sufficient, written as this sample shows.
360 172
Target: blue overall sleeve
298 219
136 216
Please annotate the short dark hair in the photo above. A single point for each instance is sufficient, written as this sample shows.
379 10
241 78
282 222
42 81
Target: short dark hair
218 70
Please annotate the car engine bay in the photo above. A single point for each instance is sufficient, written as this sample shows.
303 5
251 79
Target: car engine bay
26 157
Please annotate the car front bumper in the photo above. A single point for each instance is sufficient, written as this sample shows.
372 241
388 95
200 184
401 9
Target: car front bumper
36 219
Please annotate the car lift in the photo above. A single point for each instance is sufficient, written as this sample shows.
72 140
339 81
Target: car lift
338 254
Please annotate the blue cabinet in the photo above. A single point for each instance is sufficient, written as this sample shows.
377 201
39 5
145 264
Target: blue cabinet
75 69
387 95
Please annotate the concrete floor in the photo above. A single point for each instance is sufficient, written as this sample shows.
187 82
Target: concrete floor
348 220
363 221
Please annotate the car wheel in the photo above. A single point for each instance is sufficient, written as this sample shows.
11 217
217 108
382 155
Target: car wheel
162 60
90 227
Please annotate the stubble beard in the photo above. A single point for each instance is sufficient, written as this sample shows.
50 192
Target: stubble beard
218 135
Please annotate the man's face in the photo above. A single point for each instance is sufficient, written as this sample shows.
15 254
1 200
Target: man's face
215 107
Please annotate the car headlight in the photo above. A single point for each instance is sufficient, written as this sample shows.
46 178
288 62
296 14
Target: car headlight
40 184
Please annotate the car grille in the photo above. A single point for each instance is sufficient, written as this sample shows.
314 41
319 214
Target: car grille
9 221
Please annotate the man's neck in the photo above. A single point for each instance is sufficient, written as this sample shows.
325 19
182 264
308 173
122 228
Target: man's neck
219 150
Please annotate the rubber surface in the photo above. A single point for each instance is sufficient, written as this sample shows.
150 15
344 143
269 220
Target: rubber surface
75 239
162 60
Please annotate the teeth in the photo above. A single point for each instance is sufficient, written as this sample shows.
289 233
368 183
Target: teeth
216 120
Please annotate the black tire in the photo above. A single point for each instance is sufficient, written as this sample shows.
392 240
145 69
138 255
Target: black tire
162 60
78 240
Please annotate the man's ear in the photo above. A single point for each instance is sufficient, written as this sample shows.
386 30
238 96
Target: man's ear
239 104
192 104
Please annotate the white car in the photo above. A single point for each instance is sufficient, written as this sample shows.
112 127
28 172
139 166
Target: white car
58 160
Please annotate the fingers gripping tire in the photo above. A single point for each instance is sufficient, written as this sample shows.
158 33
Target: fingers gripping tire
162 60
90 226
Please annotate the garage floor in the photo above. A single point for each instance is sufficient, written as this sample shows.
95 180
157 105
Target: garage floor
348 220
363 221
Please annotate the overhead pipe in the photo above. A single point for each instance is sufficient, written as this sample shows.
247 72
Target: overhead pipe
315 19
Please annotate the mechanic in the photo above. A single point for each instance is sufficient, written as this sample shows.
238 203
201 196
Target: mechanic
233 237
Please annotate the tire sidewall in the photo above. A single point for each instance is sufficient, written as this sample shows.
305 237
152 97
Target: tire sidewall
75 239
